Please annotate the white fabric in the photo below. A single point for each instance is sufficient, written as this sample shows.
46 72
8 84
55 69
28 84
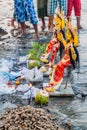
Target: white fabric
23 87
31 93
33 75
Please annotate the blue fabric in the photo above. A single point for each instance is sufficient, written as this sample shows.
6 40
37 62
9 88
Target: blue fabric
7 75
63 5
24 11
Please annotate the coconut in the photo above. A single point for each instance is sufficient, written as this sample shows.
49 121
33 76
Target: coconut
42 97
33 63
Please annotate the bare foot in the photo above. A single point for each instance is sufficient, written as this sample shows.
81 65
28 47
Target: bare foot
11 23
80 27
36 37
43 27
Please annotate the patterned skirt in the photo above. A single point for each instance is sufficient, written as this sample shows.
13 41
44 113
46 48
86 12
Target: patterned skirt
42 8
24 11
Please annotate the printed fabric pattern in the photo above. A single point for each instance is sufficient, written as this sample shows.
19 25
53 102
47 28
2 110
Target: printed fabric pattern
25 11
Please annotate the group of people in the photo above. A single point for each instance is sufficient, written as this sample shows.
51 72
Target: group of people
47 8
24 10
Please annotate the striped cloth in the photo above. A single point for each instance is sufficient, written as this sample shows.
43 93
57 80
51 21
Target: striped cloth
52 5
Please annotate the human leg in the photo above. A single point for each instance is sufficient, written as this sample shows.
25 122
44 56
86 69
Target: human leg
31 14
52 4
78 23
77 9
11 23
43 23
42 11
69 9
36 30
22 27
20 15
50 23
63 5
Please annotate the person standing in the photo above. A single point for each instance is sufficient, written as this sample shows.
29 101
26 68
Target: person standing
77 10
24 11
52 5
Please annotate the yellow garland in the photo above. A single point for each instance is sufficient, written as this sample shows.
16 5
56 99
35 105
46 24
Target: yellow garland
61 39
76 39
73 53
